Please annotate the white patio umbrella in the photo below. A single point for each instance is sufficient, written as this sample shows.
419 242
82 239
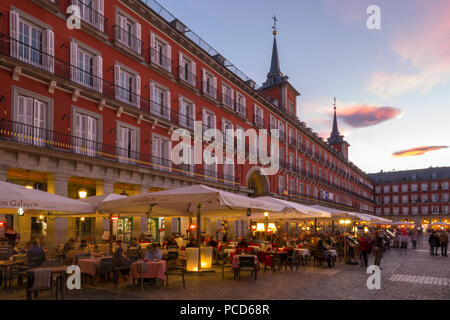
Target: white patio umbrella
13 197
185 200
95 201
440 224
336 213
399 223
297 210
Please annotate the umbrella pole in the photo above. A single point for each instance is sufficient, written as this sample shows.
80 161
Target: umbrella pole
199 226
110 235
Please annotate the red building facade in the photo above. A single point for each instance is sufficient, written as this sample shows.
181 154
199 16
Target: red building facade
94 108
420 195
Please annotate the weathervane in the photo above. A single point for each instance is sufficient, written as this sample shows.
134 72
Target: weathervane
274 27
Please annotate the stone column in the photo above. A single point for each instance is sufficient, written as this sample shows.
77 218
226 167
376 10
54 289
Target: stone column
3 172
59 229
104 187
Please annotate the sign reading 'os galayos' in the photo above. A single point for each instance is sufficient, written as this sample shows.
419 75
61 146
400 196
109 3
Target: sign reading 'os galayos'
18 204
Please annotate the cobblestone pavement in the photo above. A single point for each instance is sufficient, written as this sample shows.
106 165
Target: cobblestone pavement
406 274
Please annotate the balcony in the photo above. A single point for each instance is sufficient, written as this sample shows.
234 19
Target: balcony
60 142
241 110
228 101
186 76
258 121
165 63
209 90
128 42
90 16
292 142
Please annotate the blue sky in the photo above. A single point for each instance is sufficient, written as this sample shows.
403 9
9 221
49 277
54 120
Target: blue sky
327 50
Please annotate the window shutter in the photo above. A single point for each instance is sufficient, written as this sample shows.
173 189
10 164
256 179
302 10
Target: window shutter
138 36
121 144
232 98
167 109
98 72
182 112
99 6
204 79
180 66
193 112
169 56
215 87
48 39
194 72
83 129
39 114
123 31
14 33
117 80
137 90
204 118
134 144
21 110
153 105
91 129
152 47
73 61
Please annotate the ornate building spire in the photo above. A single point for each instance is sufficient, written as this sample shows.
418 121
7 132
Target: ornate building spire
335 136
274 76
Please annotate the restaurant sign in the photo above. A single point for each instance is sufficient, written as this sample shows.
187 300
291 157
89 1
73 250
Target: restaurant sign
18 204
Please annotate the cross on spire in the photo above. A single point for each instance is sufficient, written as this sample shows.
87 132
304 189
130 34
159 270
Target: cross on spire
274 27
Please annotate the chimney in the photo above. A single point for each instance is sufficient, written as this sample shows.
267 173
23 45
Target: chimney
179 25
219 58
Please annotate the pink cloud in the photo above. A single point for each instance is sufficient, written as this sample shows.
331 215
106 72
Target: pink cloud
425 44
418 151
365 116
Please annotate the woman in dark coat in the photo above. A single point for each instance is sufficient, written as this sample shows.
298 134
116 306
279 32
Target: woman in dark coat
437 244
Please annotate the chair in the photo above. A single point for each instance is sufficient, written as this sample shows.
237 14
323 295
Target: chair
318 257
175 267
225 262
31 283
133 254
35 263
106 268
247 264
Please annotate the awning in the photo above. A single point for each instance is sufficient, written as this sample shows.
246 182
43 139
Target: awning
183 202
336 213
13 197
297 210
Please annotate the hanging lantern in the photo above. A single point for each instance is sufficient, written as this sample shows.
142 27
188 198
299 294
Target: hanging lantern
82 193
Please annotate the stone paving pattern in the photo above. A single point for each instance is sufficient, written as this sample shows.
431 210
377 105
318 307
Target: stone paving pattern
341 282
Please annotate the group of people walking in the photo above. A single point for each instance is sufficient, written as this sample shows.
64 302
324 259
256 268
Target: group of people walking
436 241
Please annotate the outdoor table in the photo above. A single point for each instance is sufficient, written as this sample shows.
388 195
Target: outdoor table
255 249
89 266
154 270
333 252
235 262
303 252
5 266
60 271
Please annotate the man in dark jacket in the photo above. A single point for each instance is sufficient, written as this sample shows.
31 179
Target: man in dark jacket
431 241
437 244
444 243
378 243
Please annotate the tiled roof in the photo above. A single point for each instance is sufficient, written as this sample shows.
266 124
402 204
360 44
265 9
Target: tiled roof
431 173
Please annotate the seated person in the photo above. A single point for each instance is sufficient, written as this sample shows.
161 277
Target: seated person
119 259
35 255
153 253
242 244
84 246
213 243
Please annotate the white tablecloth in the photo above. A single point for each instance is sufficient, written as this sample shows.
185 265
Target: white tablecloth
302 252
255 248
333 252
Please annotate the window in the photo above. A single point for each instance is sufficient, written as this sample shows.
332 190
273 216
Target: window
300 164
127 85
444 197
208 119
386 199
210 171
424 210
258 115
161 55
377 189
444 185
435 197
227 96
186 112
92 11
241 104
405 199
300 188
281 130
32 41
85 132
31 116
291 137
227 125
395 188
86 66
395 211
281 184
434 186
127 142
209 84
161 153
378 211
160 100
404 188
273 122
434 210
414 187
424 186
128 33
395 199
424 198
228 173
405 211
299 142
291 161
291 109
415 210
386 189
187 70
387 211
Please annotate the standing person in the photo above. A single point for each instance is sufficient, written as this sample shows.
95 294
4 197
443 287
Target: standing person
35 255
437 244
364 248
443 237
432 242
414 236
378 243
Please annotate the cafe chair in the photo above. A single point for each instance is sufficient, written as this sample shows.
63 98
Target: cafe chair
47 280
133 254
247 264
117 272
225 261
318 258
175 267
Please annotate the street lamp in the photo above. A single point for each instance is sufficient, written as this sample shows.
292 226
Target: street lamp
82 193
